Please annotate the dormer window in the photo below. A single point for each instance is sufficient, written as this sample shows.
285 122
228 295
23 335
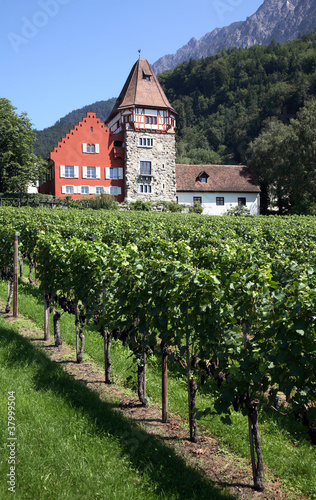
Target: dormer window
202 177
146 77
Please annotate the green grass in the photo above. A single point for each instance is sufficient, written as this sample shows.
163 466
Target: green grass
286 447
71 445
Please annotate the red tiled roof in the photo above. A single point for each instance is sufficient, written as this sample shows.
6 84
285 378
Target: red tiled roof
138 91
222 178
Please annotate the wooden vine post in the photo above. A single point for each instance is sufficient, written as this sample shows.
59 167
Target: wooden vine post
254 435
77 331
164 381
107 345
192 389
15 275
46 316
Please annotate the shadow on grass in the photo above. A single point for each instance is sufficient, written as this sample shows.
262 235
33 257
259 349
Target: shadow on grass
147 453
31 289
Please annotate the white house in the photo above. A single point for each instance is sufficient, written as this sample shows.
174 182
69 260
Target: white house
217 187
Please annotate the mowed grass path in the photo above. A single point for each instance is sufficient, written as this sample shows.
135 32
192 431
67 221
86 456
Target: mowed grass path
71 445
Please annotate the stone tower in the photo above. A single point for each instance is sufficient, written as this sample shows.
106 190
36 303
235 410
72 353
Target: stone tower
144 115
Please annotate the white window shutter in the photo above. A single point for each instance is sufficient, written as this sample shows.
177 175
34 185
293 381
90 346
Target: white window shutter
120 173
76 172
107 172
62 171
92 189
97 172
107 189
77 189
63 189
97 148
84 172
84 147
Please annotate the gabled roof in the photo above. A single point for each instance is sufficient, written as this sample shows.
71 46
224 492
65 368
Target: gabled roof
222 178
141 89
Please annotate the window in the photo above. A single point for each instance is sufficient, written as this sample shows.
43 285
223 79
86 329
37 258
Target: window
114 173
220 200
91 129
115 190
202 177
242 201
99 190
90 148
69 172
145 188
145 168
146 142
84 189
69 189
197 199
151 120
91 174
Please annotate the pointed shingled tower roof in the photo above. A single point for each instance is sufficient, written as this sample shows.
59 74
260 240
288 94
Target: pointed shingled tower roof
141 89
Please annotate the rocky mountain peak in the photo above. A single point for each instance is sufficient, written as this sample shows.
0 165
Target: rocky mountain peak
281 20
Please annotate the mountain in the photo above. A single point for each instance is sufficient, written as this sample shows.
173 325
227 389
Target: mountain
48 137
224 101
281 20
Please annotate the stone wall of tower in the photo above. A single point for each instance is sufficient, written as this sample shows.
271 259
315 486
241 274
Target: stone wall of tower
162 156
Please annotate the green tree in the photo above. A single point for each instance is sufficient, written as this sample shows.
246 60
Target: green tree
302 160
269 163
18 164
283 159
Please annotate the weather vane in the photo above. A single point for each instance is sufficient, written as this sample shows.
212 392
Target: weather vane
139 51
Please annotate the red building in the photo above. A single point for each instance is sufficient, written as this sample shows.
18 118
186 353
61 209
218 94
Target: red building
87 161
132 156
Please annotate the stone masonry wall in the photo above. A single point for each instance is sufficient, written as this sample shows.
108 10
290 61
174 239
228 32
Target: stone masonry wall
162 156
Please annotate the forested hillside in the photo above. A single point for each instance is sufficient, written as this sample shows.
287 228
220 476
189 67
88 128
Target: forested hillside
48 138
224 101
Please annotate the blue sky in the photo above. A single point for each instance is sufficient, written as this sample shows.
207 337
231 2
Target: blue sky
60 55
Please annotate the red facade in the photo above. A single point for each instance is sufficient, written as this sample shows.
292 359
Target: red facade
87 161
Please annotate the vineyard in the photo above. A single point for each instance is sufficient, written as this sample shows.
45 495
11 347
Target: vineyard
230 301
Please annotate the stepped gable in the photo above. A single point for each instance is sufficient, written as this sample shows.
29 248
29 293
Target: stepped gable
228 178
141 89
76 127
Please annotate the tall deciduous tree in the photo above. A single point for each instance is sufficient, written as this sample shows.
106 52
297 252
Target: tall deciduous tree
283 159
18 164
